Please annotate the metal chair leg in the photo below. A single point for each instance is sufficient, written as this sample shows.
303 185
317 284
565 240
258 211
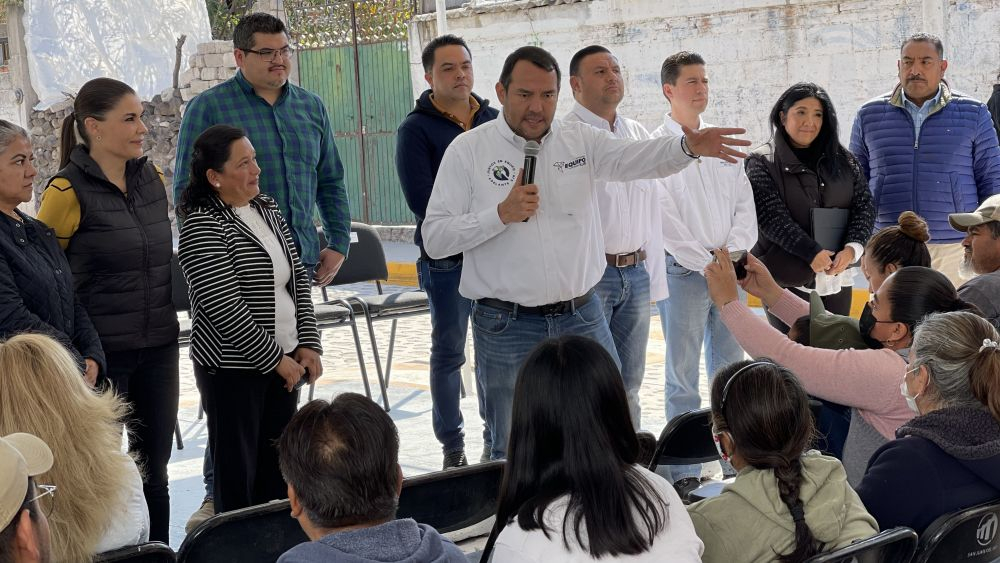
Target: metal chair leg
177 435
392 344
378 361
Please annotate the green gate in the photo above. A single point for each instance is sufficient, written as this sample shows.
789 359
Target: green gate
353 54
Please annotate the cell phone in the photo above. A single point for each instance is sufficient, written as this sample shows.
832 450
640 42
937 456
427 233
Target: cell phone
302 382
739 258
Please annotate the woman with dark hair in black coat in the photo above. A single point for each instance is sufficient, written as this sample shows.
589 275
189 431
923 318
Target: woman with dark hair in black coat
36 284
804 167
571 489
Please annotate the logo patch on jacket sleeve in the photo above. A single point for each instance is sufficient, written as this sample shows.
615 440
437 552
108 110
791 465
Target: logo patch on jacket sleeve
577 162
501 173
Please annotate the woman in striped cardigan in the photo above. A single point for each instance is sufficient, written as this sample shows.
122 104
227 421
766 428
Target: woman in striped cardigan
253 334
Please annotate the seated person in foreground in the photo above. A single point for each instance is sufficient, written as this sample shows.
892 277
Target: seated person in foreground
572 491
101 505
948 457
341 463
786 504
24 528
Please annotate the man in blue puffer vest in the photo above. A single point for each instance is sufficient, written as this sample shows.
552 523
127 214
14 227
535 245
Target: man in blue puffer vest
927 149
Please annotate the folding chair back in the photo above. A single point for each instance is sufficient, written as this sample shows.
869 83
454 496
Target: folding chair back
967 536
258 534
686 440
891 546
452 499
366 259
152 552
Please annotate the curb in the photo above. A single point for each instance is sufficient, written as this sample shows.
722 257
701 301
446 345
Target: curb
405 274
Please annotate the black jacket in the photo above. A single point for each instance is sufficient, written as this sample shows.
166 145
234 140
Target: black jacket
784 192
993 105
941 462
36 289
420 144
120 254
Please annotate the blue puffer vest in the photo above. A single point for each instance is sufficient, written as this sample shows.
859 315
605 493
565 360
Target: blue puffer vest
952 167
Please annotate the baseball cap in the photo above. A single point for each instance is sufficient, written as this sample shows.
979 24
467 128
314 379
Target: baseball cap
21 456
988 211
830 331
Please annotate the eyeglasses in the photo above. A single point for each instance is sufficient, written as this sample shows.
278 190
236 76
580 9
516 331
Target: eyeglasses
286 52
47 491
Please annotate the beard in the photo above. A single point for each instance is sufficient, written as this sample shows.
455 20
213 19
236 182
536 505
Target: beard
965 270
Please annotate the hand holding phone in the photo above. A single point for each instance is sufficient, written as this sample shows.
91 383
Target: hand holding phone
302 381
739 258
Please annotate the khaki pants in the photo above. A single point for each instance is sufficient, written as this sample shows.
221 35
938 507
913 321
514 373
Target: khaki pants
946 258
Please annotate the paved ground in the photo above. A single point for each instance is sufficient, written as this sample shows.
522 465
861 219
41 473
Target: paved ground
408 396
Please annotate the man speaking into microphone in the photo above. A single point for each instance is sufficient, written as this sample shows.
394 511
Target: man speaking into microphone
530 280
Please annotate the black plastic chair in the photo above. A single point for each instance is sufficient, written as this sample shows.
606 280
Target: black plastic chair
967 536
891 546
152 552
258 534
452 499
366 263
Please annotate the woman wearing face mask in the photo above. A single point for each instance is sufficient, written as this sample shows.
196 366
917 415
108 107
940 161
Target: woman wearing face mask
785 504
804 167
866 380
947 458
108 208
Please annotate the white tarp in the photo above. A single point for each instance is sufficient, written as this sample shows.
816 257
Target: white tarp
72 41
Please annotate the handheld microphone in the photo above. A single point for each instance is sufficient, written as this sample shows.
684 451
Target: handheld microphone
531 149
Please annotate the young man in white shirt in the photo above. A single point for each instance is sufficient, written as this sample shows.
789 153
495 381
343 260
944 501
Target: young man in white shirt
630 219
533 252
707 205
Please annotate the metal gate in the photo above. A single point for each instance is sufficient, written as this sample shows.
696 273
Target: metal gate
353 54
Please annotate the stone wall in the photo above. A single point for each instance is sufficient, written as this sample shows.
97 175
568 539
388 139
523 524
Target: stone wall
213 64
754 48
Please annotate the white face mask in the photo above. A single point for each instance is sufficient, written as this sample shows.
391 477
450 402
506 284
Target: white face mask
718 447
911 401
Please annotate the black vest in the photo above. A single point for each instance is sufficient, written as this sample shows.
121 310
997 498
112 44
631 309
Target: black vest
802 190
120 255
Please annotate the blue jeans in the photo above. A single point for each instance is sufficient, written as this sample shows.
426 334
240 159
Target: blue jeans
449 328
504 339
624 294
690 319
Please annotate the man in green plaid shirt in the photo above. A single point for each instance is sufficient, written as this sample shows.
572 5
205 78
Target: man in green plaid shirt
291 132
299 167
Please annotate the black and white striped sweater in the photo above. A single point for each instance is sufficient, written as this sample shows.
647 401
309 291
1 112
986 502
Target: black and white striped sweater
231 280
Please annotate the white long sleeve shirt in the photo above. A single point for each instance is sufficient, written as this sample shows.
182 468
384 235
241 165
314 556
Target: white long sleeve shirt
630 215
707 205
558 254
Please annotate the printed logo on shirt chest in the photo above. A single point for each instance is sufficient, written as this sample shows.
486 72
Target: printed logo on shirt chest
577 162
501 173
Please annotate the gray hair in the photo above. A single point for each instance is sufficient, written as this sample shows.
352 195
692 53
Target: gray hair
8 132
948 344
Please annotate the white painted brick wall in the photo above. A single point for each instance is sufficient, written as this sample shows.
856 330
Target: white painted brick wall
754 48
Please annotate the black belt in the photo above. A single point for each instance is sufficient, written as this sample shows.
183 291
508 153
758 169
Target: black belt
559 308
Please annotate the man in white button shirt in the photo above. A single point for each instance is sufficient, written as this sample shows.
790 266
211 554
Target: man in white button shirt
534 252
707 205
630 219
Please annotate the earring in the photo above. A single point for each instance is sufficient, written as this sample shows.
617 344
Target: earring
99 138
218 185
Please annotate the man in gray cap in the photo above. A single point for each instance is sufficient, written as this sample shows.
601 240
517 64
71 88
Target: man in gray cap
981 265
25 533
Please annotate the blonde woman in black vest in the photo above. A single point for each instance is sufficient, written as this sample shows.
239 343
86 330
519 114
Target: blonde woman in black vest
254 340
803 167
108 207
